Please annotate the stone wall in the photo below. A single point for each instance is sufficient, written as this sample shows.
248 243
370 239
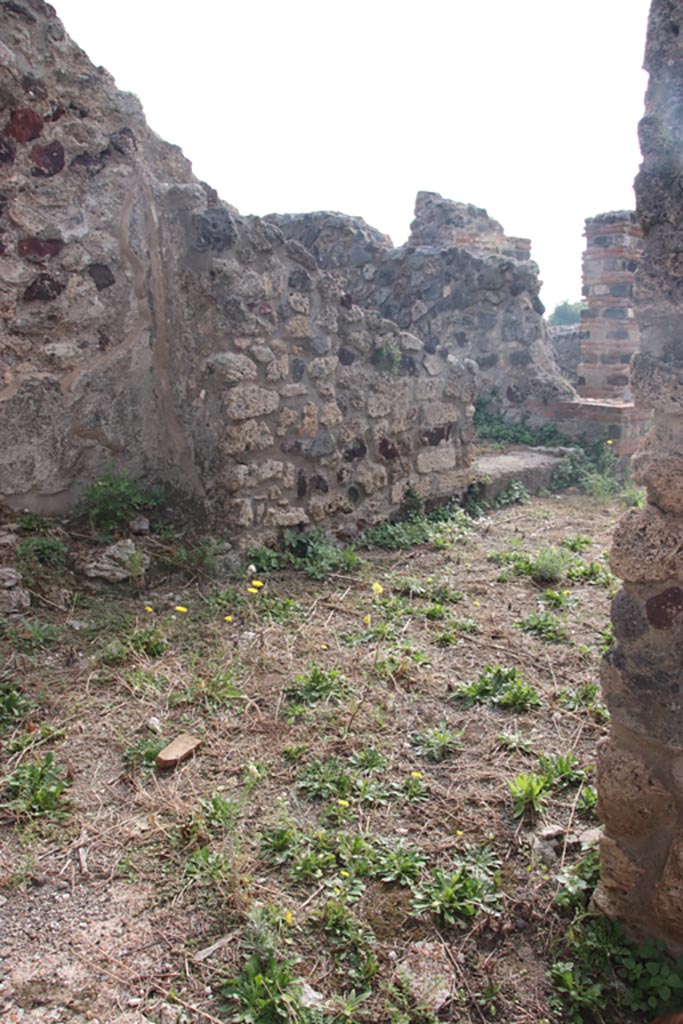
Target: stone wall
458 283
613 247
146 324
640 766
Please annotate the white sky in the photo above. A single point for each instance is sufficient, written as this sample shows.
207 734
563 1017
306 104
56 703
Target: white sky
526 107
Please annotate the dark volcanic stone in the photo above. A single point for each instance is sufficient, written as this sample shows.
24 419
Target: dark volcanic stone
214 229
388 450
296 369
43 288
8 150
101 275
38 249
346 356
356 450
323 444
24 125
627 617
299 280
48 160
664 608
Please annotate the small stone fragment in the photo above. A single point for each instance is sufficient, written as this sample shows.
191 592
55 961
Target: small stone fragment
9 578
118 562
178 750
427 972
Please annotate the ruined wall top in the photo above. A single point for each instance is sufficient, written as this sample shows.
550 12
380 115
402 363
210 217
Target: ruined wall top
444 223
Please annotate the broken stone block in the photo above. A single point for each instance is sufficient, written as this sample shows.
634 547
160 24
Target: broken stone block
9 578
118 562
178 750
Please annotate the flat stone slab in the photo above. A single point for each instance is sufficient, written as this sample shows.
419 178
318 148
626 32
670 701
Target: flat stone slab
178 750
534 467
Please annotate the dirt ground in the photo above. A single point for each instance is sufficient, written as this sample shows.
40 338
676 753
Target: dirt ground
142 891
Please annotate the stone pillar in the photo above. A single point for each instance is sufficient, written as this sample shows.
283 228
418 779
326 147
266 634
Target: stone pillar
610 331
640 765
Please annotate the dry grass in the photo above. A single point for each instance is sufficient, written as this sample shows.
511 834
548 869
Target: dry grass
138 878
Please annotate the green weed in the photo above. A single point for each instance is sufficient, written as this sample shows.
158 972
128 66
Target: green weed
318 684
48 552
436 744
545 626
112 501
498 685
35 789
456 896
528 792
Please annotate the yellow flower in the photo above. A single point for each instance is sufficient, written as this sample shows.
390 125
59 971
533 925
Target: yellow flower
477 604
610 442
344 874
430 579
416 775
377 589
180 608
148 608
288 917
343 803
257 583
252 590
323 647
227 618
458 832
367 619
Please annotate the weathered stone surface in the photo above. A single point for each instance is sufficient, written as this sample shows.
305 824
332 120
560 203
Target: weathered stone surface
441 287
428 975
9 578
14 600
162 331
648 546
630 798
640 787
118 562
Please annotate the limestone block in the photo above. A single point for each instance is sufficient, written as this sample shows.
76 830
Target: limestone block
233 367
277 369
370 477
282 517
434 365
250 400
435 460
299 302
648 546
330 415
437 414
631 801
309 420
298 327
661 471
379 404
252 435
286 419
239 513
618 870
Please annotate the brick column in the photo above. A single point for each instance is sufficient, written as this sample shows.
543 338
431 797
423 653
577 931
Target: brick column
613 248
640 766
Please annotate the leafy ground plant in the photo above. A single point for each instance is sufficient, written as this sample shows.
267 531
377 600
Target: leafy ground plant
112 501
35 789
528 791
501 685
316 685
545 626
456 895
437 743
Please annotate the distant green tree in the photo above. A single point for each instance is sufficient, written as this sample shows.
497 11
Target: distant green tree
566 313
